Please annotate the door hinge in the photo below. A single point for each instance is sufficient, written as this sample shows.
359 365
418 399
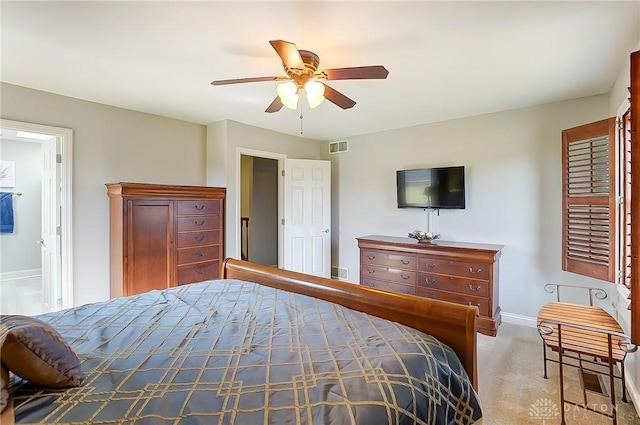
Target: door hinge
59 158
621 200
282 173
282 221
58 230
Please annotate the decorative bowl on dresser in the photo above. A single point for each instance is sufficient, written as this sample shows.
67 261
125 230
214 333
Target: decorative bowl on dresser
459 272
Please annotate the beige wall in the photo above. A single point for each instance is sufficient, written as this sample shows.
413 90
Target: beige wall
513 178
19 251
110 145
224 141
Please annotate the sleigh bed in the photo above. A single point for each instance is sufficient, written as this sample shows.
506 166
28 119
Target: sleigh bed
263 346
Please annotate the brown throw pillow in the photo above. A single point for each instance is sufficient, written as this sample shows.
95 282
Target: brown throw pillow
35 351
4 388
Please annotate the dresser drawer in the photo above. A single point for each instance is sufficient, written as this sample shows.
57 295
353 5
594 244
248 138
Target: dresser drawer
389 274
186 240
388 286
392 260
481 303
198 207
205 222
456 268
478 288
198 272
198 254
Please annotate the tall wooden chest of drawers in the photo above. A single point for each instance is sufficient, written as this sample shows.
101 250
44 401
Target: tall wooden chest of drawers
463 273
163 236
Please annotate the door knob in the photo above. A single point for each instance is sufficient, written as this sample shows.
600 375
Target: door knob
40 241
326 231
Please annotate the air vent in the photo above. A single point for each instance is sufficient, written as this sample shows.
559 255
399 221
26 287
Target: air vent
340 273
339 146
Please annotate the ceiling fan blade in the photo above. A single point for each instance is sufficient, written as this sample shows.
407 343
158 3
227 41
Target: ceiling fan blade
243 80
356 73
338 98
289 54
275 106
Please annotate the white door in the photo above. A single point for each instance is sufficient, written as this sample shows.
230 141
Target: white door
307 216
52 297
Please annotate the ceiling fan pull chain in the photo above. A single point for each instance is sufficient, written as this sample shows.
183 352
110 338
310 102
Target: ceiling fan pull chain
301 129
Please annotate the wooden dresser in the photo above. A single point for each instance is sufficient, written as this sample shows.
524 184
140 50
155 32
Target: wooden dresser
463 273
163 236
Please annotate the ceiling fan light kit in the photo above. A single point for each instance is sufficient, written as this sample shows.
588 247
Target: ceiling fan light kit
301 67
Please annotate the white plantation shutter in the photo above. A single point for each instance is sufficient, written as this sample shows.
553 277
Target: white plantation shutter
635 201
589 201
625 243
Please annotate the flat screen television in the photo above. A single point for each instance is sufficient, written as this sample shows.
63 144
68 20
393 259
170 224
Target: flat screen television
437 188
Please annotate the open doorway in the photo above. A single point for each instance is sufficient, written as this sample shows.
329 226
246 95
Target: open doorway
259 209
300 234
36 265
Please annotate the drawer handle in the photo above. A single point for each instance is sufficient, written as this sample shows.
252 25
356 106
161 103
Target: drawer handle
404 276
199 207
199 272
430 281
371 257
199 223
474 305
201 253
371 271
199 238
474 289
475 272
405 262
431 266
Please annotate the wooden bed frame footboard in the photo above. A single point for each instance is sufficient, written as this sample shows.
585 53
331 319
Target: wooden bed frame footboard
453 324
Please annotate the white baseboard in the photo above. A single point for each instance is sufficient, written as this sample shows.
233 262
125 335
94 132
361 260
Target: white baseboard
518 319
632 389
20 274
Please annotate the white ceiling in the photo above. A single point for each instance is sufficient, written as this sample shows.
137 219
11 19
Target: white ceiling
445 59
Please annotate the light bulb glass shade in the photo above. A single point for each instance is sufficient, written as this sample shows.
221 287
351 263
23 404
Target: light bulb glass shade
288 94
315 93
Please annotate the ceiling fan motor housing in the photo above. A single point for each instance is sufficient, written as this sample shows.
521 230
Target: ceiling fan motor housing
301 76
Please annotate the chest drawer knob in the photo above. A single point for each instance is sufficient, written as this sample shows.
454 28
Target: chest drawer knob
478 271
371 271
474 304
199 272
405 262
404 276
474 288
431 265
430 281
199 223
199 207
371 257
199 238
201 253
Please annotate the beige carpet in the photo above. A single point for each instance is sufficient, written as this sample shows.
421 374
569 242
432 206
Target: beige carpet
514 391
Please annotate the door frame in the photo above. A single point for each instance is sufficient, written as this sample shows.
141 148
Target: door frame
64 142
236 218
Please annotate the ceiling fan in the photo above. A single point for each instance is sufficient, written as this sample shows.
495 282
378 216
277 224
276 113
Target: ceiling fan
301 67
